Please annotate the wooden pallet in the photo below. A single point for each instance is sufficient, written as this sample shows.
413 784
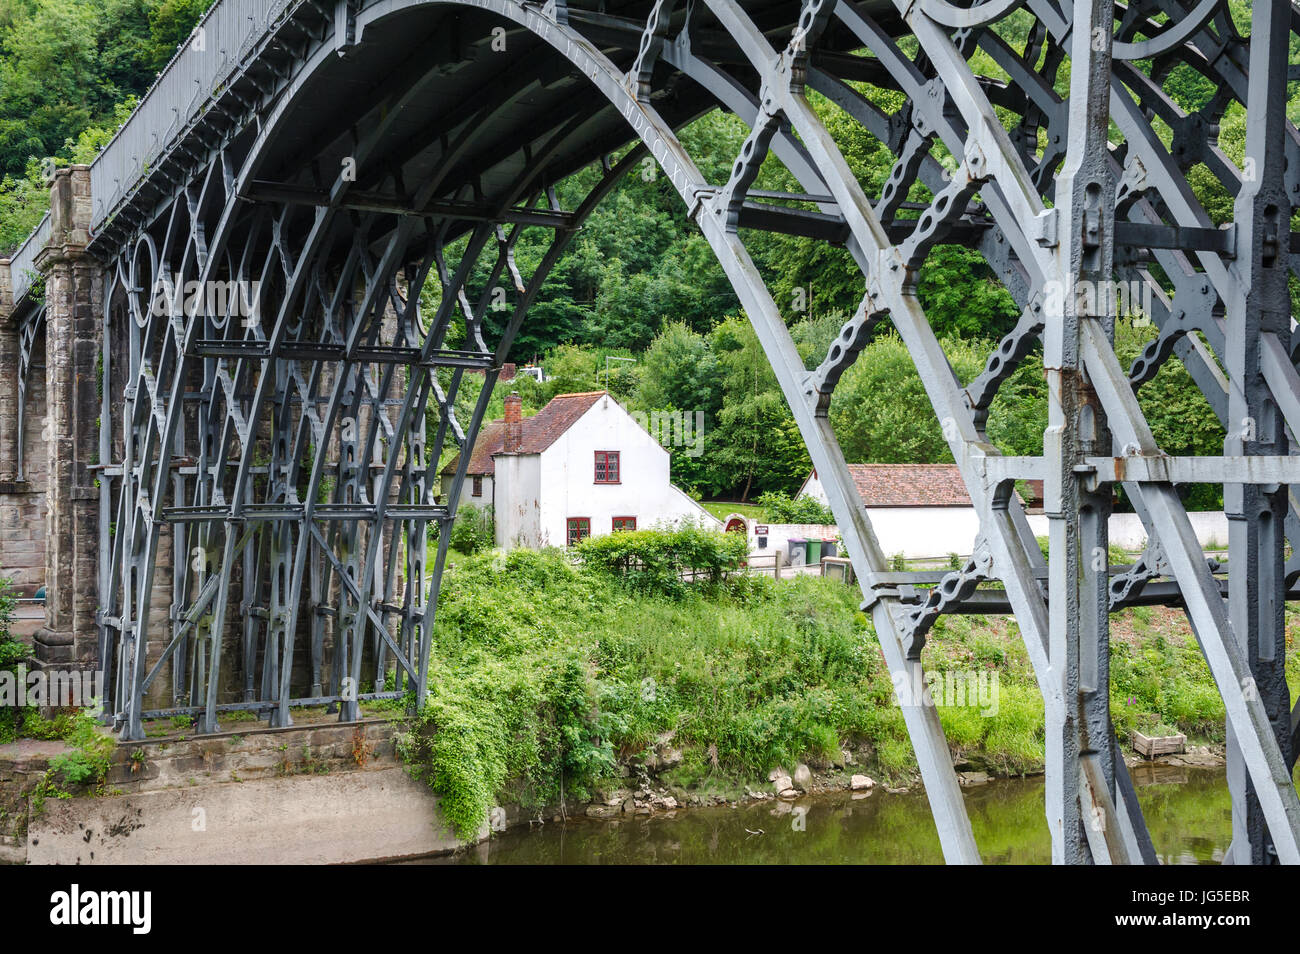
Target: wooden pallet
1149 746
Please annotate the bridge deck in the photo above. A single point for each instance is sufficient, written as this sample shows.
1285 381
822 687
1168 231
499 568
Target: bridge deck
238 41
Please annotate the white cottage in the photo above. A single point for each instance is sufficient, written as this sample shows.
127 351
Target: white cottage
580 466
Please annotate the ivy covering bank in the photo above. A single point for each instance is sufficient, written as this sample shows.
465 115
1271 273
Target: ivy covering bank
545 675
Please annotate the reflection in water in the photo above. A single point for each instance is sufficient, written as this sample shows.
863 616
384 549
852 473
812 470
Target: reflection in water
1187 811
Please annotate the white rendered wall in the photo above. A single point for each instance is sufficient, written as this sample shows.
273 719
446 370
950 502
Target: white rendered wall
516 504
1126 530
567 480
467 499
934 532
915 532
779 536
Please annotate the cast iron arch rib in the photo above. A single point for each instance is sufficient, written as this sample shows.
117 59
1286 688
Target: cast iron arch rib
279 468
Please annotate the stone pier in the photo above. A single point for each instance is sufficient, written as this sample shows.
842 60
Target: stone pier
74 288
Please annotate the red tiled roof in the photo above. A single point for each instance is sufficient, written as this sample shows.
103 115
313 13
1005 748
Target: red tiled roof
490 440
540 431
910 485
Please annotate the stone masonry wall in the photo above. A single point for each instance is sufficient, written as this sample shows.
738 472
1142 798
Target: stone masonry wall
176 762
22 502
74 302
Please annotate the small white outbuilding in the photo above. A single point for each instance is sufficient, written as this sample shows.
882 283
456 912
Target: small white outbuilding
923 511
919 510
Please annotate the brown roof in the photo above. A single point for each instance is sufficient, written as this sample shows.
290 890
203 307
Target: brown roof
910 485
490 440
540 431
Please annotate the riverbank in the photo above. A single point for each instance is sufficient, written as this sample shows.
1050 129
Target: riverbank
329 792
555 685
1187 810
556 690
647 796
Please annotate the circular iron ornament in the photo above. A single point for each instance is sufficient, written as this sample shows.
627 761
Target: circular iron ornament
1171 37
943 12
221 320
145 245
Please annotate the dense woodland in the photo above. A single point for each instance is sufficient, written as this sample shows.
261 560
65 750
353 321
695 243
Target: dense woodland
639 280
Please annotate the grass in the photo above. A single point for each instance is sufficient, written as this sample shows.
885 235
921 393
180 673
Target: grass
723 509
546 676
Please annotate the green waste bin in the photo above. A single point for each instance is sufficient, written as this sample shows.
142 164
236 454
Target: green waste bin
814 552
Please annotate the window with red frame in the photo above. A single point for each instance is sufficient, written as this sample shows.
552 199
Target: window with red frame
476 489
625 523
579 529
607 467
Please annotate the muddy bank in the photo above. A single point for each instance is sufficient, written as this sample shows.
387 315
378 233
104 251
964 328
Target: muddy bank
646 785
1187 809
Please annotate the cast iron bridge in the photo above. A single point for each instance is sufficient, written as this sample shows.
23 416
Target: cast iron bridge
240 499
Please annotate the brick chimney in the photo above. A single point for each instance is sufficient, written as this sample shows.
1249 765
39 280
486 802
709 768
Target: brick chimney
514 424
508 371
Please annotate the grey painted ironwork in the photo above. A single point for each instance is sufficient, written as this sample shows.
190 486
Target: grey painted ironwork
362 172
30 332
22 266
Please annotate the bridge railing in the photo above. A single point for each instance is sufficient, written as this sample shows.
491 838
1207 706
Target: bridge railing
215 52
220 43
22 266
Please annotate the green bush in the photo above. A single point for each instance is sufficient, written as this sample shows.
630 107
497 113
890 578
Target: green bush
11 650
533 725
473 530
459 753
88 762
782 508
12 653
655 560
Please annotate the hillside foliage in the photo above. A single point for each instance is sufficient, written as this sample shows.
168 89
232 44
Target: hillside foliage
639 280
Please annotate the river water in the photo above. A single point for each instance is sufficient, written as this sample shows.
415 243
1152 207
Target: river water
1188 812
